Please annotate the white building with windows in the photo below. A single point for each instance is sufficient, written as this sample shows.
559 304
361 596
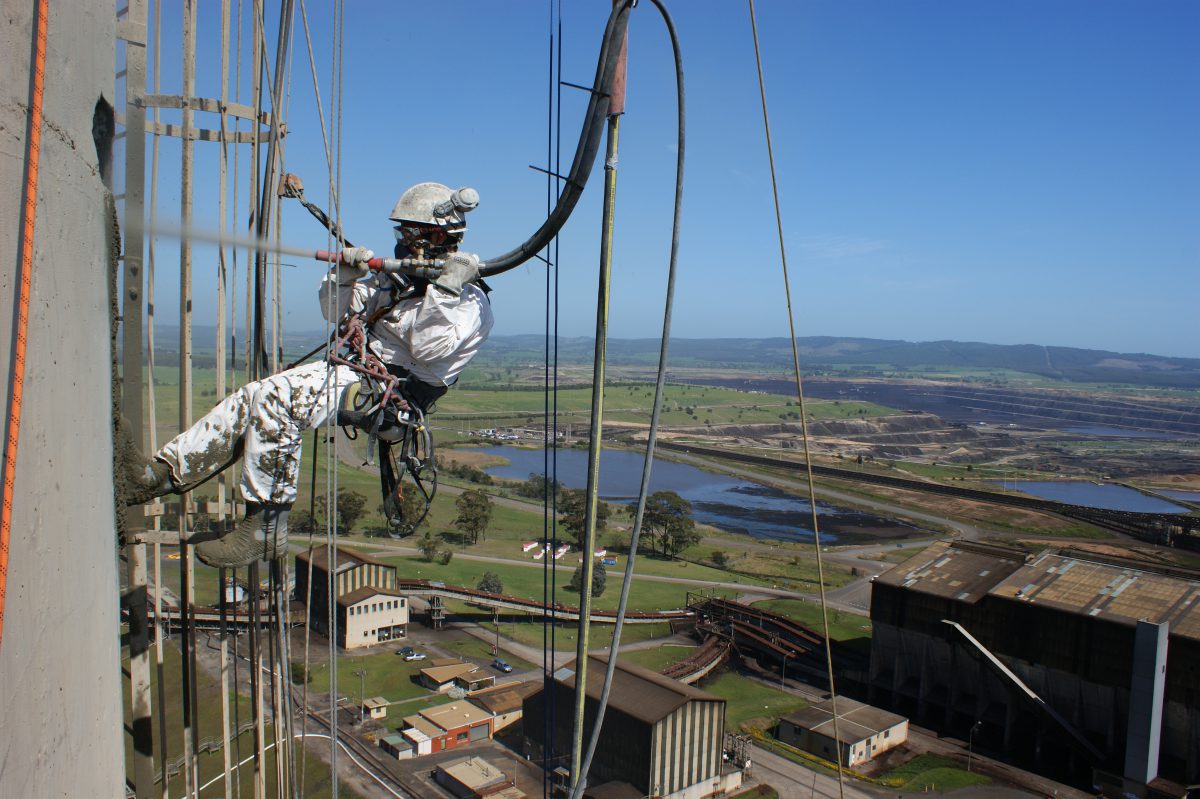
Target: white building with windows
370 610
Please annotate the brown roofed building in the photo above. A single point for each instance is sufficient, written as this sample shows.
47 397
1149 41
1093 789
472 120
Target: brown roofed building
369 608
505 702
659 735
863 731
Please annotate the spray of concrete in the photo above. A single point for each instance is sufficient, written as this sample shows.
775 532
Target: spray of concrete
191 232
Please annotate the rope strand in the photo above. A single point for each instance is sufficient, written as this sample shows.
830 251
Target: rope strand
812 494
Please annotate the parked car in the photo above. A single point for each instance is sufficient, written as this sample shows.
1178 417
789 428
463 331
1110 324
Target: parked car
501 666
408 653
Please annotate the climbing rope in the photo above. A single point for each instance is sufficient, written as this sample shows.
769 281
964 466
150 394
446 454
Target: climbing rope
812 493
33 150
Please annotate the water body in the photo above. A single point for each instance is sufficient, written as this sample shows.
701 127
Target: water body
1190 496
727 503
1105 495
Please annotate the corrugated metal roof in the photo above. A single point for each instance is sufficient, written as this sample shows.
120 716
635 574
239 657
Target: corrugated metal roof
366 592
942 569
1115 589
441 674
857 721
345 557
638 692
455 714
498 702
1118 592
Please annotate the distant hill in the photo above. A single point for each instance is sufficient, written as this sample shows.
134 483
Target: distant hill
855 355
864 355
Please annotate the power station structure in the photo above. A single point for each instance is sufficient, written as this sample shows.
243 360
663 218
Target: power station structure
1081 666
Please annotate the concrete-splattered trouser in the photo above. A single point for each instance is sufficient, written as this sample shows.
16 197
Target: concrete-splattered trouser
267 420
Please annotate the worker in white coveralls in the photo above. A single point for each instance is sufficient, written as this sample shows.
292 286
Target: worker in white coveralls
426 334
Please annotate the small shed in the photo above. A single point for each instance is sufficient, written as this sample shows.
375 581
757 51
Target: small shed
863 731
397 746
375 707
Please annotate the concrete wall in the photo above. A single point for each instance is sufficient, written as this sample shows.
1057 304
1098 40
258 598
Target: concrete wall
60 691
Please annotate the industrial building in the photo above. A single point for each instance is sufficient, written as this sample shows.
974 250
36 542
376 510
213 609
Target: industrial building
447 726
1081 666
660 736
369 608
862 732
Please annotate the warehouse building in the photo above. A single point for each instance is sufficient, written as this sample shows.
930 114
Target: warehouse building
1080 666
369 608
660 736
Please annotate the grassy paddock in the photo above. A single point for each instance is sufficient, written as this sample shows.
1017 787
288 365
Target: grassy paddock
842 625
748 700
932 773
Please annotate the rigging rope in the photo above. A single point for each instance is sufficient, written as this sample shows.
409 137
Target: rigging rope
812 494
33 150
550 426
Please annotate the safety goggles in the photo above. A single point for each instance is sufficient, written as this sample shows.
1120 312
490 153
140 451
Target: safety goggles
421 235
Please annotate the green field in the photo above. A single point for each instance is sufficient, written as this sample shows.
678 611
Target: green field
748 700
659 657
843 626
932 773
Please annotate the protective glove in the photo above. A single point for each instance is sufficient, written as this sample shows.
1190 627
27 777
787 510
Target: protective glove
459 269
352 264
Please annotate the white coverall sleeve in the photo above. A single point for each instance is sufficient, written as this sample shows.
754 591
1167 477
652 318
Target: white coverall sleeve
445 323
339 298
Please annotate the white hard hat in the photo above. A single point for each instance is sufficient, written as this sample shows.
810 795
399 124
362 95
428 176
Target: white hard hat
436 204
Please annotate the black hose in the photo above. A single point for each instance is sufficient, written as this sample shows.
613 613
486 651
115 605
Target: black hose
660 383
585 151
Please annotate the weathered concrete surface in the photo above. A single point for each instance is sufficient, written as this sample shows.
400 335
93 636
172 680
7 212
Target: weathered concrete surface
60 689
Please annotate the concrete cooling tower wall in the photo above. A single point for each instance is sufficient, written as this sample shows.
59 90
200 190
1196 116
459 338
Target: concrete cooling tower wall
60 673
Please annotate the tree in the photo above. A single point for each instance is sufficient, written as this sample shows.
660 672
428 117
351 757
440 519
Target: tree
350 507
599 579
301 521
668 518
474 513
429 546
720 558
536 486
490 582
572 508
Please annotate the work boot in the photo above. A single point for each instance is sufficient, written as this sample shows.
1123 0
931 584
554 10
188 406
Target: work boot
260 535
140 479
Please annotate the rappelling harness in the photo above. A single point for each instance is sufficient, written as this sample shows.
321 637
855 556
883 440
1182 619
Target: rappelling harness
388 408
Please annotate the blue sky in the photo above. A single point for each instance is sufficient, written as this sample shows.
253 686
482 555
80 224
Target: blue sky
1008 172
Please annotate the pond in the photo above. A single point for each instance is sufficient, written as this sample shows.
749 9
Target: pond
1093 495
731 504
